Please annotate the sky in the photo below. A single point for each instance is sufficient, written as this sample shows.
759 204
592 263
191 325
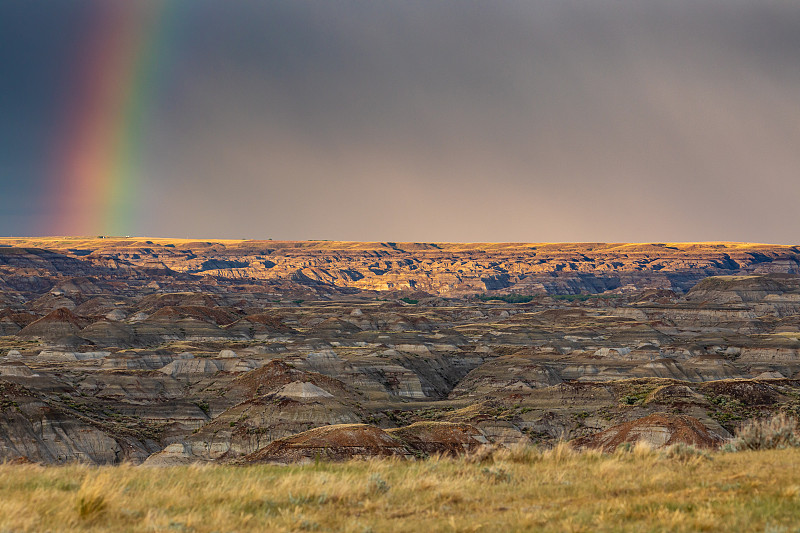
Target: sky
402 120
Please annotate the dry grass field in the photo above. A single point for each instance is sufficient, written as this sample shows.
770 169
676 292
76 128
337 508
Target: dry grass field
516 490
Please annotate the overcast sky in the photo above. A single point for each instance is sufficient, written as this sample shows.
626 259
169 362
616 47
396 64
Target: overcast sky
596 120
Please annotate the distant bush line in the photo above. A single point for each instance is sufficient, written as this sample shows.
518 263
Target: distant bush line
508 298
525 298
581 297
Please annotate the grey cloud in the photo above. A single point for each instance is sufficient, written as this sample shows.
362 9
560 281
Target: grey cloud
506 121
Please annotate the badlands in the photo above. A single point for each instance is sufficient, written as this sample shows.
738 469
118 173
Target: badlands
169 352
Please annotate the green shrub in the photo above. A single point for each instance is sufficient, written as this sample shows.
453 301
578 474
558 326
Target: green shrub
203 406
377 485
496 475
777 432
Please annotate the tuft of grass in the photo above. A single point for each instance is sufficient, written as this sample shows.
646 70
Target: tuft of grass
91 506
562 452
686 453
519 453
484 454
95 492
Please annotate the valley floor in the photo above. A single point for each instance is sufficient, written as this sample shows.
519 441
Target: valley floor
521 489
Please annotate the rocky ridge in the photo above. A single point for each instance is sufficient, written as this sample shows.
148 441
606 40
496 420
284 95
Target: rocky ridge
436 268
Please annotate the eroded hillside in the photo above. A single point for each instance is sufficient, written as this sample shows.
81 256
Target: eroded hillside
171 352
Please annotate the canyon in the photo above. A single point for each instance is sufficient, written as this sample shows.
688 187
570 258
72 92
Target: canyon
169 351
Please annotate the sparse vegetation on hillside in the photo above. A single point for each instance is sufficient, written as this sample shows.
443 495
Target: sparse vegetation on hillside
508 298
525 298
522 489
582 297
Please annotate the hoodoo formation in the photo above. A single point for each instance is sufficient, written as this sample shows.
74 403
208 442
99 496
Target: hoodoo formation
168 351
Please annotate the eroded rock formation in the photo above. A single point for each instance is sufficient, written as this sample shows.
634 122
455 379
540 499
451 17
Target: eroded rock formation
173 352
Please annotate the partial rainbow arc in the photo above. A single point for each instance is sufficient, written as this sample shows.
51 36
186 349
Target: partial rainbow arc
99 159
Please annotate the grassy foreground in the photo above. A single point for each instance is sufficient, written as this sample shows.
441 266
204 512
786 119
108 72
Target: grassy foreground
518 490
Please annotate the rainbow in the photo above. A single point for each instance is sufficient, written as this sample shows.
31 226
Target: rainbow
97 162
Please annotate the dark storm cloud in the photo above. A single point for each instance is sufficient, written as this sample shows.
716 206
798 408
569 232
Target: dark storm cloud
37 40
545 120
